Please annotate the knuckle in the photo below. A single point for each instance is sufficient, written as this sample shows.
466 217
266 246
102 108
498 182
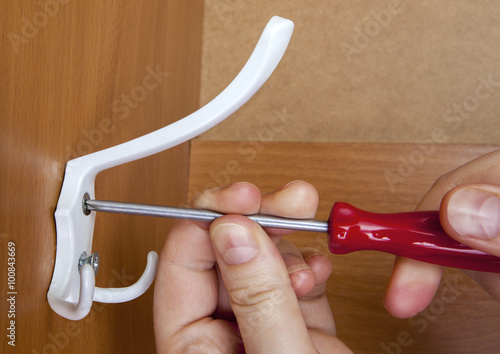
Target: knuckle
262 293
197 345
256 304
446 181
204 342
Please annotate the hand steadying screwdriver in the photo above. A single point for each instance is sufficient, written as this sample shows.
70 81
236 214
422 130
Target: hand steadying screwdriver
417 235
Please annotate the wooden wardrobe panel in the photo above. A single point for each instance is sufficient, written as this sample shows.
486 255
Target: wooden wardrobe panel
461 319
77 77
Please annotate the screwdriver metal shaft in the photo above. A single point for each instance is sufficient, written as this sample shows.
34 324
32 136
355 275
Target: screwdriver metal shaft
201 215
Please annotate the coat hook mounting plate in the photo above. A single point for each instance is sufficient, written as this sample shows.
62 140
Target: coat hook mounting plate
72 290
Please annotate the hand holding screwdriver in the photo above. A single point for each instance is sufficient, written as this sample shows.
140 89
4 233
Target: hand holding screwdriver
240 256
467 199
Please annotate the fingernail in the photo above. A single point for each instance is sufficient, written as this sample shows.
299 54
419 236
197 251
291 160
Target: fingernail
204 200
235 243
474 213
294 263
289 184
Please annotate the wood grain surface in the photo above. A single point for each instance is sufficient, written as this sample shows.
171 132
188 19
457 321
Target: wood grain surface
77 77
461 319
363 70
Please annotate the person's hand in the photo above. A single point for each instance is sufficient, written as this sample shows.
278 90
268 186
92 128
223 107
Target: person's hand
226 287
469 202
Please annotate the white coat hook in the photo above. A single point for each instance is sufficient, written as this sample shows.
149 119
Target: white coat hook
73 290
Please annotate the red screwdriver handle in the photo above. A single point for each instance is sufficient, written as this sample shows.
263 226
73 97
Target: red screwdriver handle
417 235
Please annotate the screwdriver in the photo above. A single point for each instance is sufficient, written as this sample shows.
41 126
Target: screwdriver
417 235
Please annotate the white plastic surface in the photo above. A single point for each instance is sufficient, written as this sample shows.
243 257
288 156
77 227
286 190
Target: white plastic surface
116 295
71 292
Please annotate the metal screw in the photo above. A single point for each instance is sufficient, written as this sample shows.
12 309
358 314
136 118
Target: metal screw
86 210
93 260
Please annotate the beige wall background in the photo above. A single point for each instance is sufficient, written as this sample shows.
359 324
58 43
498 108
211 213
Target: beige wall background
362 71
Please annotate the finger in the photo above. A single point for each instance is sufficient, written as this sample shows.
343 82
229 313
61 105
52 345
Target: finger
297 199
412 287
484 170
223 309
413 284
180 270
186 282
402 299
325 343
302 277
309 270
259 287
282 202
314 305
240 198
319 263
471 215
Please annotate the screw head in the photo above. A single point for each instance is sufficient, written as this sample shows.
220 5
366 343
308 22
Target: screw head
92 260
85 210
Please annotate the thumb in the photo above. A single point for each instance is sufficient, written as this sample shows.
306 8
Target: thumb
259 288
471 215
